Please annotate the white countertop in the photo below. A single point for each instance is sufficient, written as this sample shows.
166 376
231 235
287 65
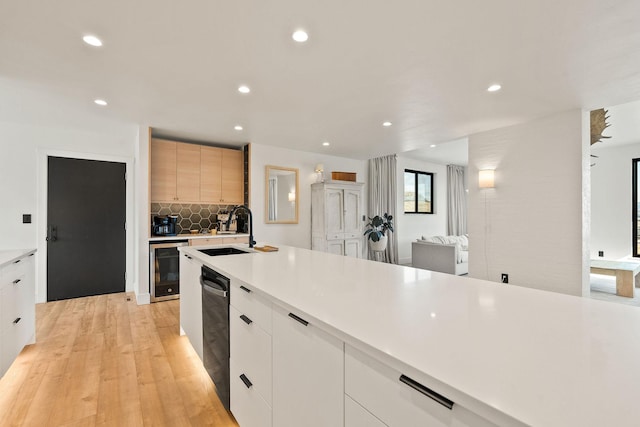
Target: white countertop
543 358
9 256
188 236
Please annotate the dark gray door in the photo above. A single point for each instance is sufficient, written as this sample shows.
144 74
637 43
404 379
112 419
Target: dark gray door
86 211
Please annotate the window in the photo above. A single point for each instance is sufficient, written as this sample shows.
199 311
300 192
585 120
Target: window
418 192
634 207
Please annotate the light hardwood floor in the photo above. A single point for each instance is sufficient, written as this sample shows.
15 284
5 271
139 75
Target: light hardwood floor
105 361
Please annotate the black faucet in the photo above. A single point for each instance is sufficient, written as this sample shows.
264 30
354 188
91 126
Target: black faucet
251 241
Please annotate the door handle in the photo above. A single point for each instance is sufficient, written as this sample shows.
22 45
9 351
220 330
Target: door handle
52 233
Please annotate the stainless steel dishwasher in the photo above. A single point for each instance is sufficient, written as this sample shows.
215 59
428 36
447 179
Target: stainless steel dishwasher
215 330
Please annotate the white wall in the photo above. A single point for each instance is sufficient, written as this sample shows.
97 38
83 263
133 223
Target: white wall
22 146
534 224
410 227
611 207
298 235
142 215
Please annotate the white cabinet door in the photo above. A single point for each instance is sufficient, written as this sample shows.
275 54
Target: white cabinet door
191 301
247 405
17 312
353 248
308 374
352 213
334 213
356 416
335 247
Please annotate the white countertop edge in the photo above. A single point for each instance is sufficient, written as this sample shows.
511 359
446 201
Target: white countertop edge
9 256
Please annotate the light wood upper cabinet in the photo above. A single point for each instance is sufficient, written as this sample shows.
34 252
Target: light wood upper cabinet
210 174
188 172
232 177
193 173
163 170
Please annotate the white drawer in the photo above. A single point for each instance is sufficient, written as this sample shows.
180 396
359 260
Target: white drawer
245 300
8 301
356 416
247 405
14 338
377 387
16 270
251 352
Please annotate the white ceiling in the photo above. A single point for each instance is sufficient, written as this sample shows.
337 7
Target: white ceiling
422 64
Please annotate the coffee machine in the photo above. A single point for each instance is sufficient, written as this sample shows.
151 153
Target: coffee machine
164 225
223 218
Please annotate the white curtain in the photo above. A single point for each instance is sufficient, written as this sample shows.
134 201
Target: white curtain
273 196
383 199
456 201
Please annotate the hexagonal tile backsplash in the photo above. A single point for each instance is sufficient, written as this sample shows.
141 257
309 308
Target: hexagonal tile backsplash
190 217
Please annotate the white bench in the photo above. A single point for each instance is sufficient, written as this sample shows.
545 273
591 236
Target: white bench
625 272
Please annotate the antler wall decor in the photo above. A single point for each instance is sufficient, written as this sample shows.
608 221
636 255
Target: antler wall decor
598 125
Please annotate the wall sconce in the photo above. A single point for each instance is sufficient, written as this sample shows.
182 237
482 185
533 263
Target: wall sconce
486 178
292 196
319 172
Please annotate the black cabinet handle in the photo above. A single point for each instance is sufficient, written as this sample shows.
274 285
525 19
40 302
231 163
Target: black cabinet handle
15 282
247 290
15 262
299 319
31 254
15 322
188 256
245 319
426 391
246 381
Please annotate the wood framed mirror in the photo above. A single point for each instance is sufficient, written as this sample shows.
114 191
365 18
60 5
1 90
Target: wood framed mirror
281 195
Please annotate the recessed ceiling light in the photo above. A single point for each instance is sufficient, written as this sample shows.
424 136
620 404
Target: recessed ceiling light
92 40
101 102
386 124
433 146
244 89
326 143
237 127
494 88
300 36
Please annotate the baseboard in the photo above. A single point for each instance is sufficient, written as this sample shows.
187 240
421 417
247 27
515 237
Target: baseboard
143 299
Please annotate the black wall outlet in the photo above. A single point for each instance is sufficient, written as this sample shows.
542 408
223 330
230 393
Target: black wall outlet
26 218
600 253
504 278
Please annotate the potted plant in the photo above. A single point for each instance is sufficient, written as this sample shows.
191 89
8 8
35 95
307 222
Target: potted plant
376 229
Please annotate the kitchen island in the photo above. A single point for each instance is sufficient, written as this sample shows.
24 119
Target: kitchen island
496 354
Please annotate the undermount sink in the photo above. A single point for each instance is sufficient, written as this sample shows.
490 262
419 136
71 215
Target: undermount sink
223 251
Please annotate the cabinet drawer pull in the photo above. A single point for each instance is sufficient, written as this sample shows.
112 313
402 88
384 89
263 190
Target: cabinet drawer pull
426 391
15 282
246 381
15 322
187 256
245 319
15 262
299 319
247 290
